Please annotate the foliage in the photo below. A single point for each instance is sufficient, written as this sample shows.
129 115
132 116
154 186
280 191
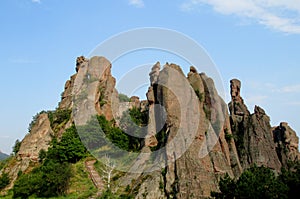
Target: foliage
255 182
228 136
17 146
123 98
53 176
4 180
42 155
132 122
109 195
81 185
51 179
34 119
291 177
92 135
69 149
59 117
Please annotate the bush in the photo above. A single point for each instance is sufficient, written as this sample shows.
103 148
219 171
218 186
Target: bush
17 146
69 149
254 183
49 180
4 181
123 98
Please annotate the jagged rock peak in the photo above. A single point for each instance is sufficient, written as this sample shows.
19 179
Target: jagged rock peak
80 60
235 89
154 73
237 106
193 69
287 143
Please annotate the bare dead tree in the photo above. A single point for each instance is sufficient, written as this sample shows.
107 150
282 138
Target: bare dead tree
108 169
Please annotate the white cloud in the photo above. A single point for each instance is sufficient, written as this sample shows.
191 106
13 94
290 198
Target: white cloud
137 3
260 99
280 15
294 103
36 1
290 89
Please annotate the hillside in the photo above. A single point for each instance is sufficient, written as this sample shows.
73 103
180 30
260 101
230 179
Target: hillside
179 143
3 156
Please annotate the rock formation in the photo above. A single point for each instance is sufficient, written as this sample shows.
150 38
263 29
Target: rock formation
253 132
193 137
287 143
38 139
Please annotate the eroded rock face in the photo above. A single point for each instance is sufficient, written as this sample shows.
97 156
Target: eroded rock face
287 143
94 90
195 154
38 139
254 139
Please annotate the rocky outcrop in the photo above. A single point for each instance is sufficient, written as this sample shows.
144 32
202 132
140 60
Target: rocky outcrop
38 139
287 143
191 139
94 90
253 132
195 155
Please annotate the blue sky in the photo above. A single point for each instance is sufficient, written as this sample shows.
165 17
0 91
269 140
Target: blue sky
257 42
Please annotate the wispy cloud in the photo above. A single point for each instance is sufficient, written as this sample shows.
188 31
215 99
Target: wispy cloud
280 15
293 103
36 1
137 3
260 99
290 89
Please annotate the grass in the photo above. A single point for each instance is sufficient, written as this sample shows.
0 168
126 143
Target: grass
81 185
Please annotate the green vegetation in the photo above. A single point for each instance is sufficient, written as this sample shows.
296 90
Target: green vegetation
99 132
123 98
261 182
69 149
228 137
52 177
34 119
4 180
59 118
16 147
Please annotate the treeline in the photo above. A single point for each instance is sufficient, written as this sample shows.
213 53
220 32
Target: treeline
261 182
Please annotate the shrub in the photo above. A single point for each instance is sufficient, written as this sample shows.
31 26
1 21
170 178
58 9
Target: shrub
255 182
69 149
17 146
4 180
49 180
123 98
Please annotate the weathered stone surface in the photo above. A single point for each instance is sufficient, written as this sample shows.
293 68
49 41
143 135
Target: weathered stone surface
94 91
38 139
195 158
253 132
287 143
202 142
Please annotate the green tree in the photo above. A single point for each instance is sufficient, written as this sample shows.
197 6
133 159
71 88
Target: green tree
123 98
49 180
69 149
291 177
254 183
17 146
4 180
